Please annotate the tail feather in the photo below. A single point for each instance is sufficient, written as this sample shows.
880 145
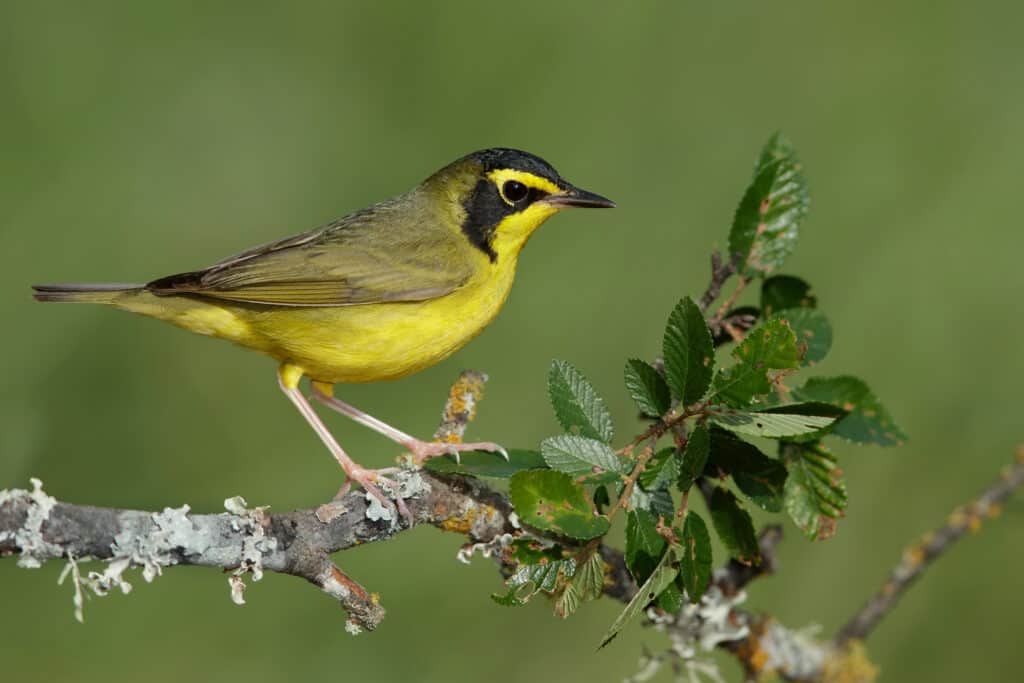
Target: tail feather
83 293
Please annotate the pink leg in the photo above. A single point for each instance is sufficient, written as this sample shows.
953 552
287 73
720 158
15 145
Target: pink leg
421 450
367 478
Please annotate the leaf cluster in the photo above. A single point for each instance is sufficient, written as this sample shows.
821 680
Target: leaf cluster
748 433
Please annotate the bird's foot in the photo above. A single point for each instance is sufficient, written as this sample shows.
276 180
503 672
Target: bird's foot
424 450
371 481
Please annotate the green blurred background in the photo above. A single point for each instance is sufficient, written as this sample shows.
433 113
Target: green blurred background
144 139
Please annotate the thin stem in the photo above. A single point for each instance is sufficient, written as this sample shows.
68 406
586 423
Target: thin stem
920 555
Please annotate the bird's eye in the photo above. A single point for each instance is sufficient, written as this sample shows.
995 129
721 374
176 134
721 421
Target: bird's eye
514 191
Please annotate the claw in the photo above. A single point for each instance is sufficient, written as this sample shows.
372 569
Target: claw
424 450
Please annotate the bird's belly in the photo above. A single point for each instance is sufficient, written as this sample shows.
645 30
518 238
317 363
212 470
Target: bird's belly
374 342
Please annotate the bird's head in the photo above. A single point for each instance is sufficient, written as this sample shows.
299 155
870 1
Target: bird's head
501 196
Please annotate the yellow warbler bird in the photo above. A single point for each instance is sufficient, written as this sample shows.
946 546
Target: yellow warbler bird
379 294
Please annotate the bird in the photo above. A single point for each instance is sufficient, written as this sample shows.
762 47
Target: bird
377 295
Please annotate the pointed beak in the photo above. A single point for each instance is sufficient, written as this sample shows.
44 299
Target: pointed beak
574 196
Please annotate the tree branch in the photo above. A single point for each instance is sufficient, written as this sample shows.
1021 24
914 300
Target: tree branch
40 528
920 555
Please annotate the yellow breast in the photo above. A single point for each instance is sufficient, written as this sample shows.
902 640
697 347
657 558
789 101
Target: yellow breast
376 342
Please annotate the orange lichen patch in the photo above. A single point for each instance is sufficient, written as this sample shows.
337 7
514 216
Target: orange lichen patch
750 653
460 409
463 523
1019 456
958 518
913 556
850 665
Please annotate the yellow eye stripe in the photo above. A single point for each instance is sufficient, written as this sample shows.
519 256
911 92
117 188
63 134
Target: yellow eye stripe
502 175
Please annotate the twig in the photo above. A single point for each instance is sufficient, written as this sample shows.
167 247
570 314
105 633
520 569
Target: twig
918 556
720 273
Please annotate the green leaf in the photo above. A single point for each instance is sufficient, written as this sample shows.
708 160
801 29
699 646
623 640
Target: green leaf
780 292
813 332
648 388
509 599
586 584
695 456
664 574
765 424
771 346
546 577
695 557
689 353
552 501
642 542
661 503
815 494
734 526
661 470
758 476
766 223
590 578
817 408
671 599
867 420
579 456
477 464
577 405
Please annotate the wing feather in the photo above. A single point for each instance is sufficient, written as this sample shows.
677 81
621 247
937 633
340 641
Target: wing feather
396 251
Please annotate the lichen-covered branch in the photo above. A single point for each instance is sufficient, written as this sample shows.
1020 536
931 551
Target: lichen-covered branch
920 555
40 528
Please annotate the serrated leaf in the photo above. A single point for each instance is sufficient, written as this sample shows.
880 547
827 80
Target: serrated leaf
577 404
695 557
867 420
552 501
734 526
479 464
661 503
671 599
765 424
662 469
695 456
766 223
644 546
545 577
642 536
648 388
578 455
568 601
664 574
758 476
780 292
815 495
591 577
508 599
813 332
771 346
688 351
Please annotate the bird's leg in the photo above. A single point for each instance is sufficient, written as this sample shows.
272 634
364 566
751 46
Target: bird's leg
288 378
421 450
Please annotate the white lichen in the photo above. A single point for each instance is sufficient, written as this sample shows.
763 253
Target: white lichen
491 548
152 549
237 589
696 628
34 548
353 628
409 483
71 568
795 651
252 524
